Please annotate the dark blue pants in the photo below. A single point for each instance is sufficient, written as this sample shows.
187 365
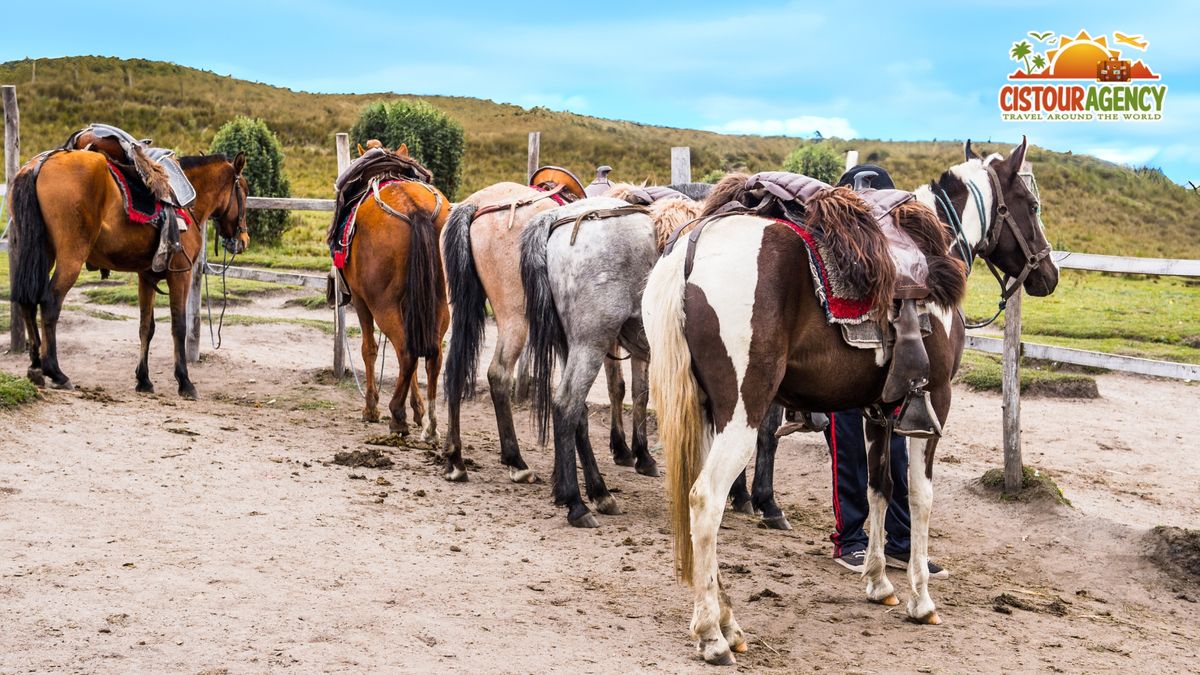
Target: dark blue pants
848 448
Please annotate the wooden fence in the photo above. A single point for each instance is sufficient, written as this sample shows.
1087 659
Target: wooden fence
1010 347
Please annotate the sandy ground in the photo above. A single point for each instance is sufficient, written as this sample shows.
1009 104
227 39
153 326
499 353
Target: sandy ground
143 533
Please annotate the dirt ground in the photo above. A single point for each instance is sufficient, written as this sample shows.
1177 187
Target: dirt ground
144 533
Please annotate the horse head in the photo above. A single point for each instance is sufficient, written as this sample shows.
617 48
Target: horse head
231 216
1016 240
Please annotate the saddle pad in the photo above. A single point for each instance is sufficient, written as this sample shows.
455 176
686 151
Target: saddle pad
839 308
344 235
140 206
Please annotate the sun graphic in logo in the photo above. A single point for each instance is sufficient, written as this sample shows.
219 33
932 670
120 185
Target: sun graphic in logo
1081 57
1076 57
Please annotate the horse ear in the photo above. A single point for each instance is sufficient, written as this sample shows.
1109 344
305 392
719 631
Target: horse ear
239 163
968 152
1017 158
360 150
402 150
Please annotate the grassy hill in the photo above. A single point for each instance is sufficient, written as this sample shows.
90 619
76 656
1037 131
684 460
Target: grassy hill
1090 205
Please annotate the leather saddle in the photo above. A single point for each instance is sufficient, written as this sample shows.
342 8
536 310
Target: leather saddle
157 167
648 194
376 163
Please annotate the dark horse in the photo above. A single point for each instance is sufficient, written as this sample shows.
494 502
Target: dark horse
67 210
744 329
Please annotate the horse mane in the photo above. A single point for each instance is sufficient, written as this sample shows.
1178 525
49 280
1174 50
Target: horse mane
729 189
947 280
193 161
670 214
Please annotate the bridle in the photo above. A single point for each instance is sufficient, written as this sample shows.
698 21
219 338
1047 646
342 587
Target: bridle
235 199
991 236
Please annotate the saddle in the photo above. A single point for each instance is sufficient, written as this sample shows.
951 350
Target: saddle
153 186
551 182
786 196
648 194
372 170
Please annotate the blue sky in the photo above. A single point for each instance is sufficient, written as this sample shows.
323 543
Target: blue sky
900 71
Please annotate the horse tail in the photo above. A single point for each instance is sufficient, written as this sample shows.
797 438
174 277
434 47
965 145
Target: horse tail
467 303
422 286
547 339
30 243
850 236
683 426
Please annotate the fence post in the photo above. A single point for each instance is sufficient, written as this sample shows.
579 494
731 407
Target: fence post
12 162
193 302
681 165
342 142
1011 405
851 159
535 151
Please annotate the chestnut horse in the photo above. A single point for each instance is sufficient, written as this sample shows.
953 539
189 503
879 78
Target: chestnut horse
67 210
744 329
394 273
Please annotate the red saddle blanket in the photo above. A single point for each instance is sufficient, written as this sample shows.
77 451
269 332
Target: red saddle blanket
838 305
140 205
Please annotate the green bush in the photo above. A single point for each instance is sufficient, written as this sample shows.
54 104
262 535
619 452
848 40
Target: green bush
263 172
815 160
432 137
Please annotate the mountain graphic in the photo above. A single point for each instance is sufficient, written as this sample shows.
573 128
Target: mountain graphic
1137 71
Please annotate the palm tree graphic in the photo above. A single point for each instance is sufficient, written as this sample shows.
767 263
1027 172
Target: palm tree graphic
1039 61
1020 52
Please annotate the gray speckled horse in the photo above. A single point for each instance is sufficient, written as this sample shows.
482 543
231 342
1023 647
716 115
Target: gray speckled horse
583 277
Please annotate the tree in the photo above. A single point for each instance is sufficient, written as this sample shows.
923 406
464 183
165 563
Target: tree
1020 52
263 172
432 136
1039 61
815 160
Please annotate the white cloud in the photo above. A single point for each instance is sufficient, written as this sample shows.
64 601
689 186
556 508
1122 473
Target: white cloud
803 125
1133 156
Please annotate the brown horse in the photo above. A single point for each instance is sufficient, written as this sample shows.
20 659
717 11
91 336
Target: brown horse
394 273
734 325
68 210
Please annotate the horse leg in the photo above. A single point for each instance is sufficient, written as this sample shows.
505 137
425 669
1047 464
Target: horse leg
597 490
370 349
453 467
433 366
146 295
641 398
879 490
622 455
763 495
29 315
179 284
66 271
570 435
500 379
920 505
416 401
406 374
713 624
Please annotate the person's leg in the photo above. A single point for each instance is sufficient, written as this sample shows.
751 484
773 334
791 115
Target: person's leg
898 518
847 448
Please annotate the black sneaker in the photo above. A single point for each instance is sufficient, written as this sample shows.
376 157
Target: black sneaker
855 561
936 571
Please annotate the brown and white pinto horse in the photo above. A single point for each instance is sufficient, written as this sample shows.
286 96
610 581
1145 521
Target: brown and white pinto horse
68 210
744 330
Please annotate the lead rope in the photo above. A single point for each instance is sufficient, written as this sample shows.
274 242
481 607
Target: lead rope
226 261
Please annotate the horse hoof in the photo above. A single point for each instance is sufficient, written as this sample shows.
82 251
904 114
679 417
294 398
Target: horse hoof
146 388
398 428
65 385
608 506
36 376
522 475
779 522
930 619
371 417
455 475
650 469
188 393
721 657
620 460
745 507
889 601
586 520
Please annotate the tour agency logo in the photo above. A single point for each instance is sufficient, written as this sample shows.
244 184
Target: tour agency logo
1048 86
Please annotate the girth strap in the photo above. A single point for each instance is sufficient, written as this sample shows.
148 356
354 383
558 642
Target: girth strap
598 214
512 206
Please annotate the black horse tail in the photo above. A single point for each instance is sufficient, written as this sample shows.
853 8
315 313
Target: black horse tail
30 247
547 339
422 287
467 305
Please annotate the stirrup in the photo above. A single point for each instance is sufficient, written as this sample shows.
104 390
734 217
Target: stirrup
808 422
917 419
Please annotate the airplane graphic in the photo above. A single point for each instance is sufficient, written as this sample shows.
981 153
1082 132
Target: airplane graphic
1135 41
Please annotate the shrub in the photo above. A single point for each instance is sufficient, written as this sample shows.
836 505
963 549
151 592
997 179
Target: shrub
432 137
815 160
263 172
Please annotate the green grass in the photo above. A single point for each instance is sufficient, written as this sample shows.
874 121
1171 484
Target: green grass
15 391
240 291
319 324
982 372
316 301
1150 317
1035 485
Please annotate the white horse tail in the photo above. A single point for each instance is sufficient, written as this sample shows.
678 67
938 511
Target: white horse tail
675 393
547 340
